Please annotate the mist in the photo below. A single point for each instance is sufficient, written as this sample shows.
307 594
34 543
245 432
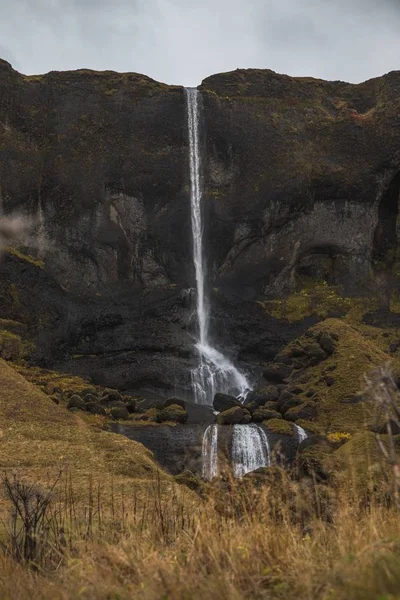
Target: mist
183 41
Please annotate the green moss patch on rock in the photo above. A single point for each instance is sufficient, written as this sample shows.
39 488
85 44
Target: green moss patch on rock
172 413
279 426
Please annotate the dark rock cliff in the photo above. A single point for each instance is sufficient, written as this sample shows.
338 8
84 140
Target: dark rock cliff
301 180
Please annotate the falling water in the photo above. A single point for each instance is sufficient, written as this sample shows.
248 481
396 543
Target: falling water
250 449
215 373
210 452
301 434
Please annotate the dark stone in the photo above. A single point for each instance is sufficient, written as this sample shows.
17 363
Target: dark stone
278 372
55 398
327 344
224 402
295 389
95 409
90 398
131 405
330 381
308 412
76 402
290 404
310 393
315 353
285 397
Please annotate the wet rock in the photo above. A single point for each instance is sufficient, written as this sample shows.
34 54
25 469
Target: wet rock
278 372
224 402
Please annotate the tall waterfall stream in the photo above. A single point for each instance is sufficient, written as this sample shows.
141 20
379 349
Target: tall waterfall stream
215 372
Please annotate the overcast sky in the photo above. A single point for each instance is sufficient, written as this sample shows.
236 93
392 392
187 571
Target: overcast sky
184 41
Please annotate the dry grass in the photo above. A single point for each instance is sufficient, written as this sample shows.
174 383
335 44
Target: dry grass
275 541
38 437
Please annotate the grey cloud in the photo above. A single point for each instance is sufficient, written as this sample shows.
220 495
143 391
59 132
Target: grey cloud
183 41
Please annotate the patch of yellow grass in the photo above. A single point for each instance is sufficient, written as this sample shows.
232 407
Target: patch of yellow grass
39 438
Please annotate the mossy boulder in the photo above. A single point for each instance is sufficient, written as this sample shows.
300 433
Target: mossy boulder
76 402
306 411
263 414
119 413
131 405
233 416
173 413
279 426
278 372
175 402
95 409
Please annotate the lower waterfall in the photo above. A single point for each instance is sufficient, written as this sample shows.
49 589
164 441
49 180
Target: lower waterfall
209 453
301 433
250 449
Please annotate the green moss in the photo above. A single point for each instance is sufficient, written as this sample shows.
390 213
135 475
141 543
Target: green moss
25 257
173 414
313 428
318 298
279 426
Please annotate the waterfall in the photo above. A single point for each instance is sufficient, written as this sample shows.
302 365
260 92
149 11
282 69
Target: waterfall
250 449
215 372
301 434
209 453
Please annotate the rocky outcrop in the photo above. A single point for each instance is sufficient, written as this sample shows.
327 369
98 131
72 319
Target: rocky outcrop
301 180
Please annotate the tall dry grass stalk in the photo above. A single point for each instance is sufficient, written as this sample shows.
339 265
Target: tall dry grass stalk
271 538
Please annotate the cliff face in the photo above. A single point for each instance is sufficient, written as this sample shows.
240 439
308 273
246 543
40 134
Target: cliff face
300 181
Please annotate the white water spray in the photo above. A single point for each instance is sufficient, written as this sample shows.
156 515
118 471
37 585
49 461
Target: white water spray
250 449
301 434
215 372
210 453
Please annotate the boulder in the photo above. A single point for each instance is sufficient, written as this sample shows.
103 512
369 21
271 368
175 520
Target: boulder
233 416
76 402
176 402
95 409
119 412
173 413
264 414
88 398
315 353
291 403
306 411
278 372
284 398
223 402
131 405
